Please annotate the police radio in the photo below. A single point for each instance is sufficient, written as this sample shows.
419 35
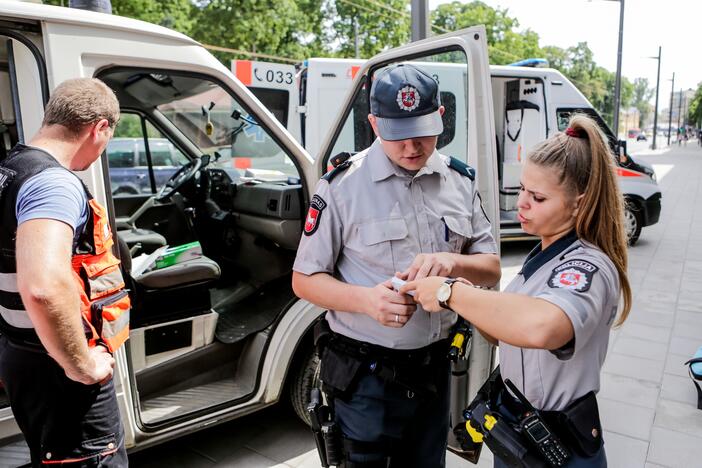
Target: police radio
537 432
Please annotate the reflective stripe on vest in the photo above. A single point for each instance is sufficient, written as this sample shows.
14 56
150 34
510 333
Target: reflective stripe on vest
11 307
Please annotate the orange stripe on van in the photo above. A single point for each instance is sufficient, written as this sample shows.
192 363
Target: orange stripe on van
354 71
621 172
243 71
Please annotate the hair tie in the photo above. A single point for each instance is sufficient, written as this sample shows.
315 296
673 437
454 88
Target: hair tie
570 131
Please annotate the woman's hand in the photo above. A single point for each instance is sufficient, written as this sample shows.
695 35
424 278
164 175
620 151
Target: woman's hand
425 292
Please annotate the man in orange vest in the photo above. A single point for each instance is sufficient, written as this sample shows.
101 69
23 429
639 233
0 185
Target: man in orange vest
63 307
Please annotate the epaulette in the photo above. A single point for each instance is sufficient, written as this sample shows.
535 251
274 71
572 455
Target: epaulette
329 176
462 168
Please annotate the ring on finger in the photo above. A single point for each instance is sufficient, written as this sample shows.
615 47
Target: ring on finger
397 318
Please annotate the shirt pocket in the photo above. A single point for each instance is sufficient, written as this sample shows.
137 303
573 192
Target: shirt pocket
383 244
455 233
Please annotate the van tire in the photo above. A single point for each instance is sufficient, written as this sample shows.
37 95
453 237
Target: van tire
305 378
633 222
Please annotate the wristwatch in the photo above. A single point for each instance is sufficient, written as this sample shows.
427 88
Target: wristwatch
443 294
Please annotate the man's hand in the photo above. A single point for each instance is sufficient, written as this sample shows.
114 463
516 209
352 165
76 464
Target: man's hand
424 265
100 367
387 306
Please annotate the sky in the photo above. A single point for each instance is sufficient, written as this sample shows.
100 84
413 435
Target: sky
675 25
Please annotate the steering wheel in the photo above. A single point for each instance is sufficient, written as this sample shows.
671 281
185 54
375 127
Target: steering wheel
181 177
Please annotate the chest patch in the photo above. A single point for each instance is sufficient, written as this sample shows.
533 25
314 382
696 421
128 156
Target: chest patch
575 275
317 205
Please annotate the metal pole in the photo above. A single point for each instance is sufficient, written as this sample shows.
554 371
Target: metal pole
670 114
655 113
618 80
420 20
355 37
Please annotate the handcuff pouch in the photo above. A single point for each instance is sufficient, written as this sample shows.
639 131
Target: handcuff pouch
580 423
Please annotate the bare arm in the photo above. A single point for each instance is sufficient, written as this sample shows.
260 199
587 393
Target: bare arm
49 292
516 319
380 302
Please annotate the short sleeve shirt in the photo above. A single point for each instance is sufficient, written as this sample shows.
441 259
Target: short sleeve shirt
583 282
373 219
53 194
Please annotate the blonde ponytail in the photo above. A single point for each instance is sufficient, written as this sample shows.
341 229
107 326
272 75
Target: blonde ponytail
586 167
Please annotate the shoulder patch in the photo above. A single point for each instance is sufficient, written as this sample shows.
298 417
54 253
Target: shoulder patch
462 168
317 205
575 275
329 176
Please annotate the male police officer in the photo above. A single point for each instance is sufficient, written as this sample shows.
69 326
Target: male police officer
399 207
62 304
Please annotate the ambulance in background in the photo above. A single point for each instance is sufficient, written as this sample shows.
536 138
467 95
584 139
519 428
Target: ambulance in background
530 103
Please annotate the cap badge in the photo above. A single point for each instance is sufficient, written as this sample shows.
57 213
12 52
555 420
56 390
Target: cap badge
408 98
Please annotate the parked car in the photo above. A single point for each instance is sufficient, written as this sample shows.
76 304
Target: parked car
129 165
641 137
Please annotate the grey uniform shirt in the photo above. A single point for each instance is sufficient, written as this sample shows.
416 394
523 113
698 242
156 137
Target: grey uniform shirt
373 219
580 279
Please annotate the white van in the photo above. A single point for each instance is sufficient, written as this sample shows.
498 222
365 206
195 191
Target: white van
219 338
530 104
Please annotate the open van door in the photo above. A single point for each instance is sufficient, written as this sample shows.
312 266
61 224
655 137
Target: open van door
468 120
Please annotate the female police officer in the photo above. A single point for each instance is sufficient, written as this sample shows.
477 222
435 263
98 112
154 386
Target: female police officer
552 322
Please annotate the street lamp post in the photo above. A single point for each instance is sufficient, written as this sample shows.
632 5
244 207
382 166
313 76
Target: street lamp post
670 114
618 79
420 20
655 112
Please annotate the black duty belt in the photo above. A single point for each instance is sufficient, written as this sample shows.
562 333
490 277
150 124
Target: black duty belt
410 369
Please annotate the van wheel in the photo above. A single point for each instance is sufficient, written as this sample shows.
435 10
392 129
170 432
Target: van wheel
304 380
632 222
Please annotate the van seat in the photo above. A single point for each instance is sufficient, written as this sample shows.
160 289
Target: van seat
198 270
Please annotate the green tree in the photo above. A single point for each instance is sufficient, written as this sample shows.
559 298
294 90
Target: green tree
694 115
286 28
379 27
642 95
173 14
505 44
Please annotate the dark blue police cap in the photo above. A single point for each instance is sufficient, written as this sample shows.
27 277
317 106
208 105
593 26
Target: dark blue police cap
405 102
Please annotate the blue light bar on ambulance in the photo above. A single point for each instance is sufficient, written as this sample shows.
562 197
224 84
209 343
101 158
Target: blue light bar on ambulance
532 62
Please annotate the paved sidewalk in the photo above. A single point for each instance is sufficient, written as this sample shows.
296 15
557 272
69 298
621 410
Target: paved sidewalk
648 402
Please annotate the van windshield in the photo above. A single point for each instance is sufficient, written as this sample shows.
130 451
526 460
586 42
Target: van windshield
203 112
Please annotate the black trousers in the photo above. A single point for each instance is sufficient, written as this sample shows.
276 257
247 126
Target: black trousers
410 430
64 422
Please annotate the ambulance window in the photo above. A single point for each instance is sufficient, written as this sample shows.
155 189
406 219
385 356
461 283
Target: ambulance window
276 101
450 70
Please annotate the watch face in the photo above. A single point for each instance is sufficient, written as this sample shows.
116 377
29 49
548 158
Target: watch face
443 293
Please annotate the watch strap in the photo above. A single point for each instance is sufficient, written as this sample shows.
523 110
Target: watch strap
444 304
